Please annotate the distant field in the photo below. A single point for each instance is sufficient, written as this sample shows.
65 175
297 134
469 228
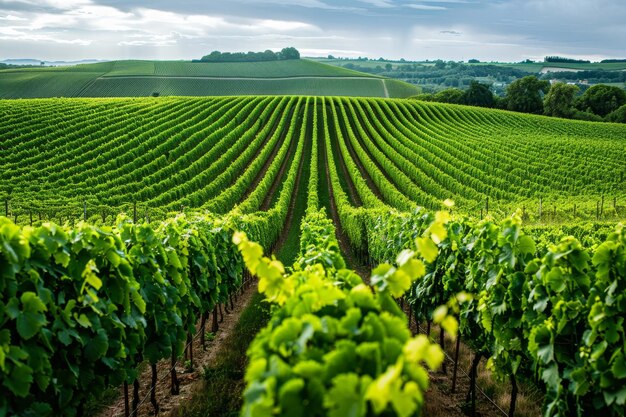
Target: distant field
534 67
146 86
36 84
182 78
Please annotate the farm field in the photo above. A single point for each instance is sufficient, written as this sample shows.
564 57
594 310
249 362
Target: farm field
167 186
532 67
398 154
185 78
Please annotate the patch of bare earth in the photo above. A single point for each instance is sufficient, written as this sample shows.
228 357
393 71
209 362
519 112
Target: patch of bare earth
190 379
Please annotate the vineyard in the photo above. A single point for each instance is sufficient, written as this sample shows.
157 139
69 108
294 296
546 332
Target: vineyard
467 213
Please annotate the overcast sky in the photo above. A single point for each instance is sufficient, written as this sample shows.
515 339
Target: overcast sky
504 30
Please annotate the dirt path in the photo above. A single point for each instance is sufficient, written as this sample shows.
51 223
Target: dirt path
385 88
189 380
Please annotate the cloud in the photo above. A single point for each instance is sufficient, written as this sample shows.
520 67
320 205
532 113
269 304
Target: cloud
412 29
425 7
12 18
379 3
311 4
139 26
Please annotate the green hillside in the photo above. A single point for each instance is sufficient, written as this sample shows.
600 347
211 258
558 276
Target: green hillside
166 152
183 78
167 185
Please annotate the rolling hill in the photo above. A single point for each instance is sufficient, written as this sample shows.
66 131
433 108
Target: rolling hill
183 78
168 152
323 178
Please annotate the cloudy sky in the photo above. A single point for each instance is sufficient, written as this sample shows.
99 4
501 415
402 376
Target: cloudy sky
504 30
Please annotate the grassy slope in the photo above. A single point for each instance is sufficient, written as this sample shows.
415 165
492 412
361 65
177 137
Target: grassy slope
143 78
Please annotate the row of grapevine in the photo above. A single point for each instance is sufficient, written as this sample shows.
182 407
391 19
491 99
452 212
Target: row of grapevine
334 347
171 152
81 308
234 193
555 315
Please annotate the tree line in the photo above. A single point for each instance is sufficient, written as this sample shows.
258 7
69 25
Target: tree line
566 60
532 95
267 55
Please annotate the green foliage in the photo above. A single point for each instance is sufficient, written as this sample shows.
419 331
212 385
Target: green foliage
478 95
449 95
284 54
559 101
617 116
83 306
586 115
602 99
552 313
333 344
525 94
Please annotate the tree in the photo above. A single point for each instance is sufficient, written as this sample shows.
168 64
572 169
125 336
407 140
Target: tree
449 95
602 99
388 67
439 64
559 101
478 95
423 97
617 116
524 94
289 53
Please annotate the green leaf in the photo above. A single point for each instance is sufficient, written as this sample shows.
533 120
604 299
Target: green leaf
20 380
97 346
546 353
427 248
556 280
405 402
580 384
440 313
550 376
32 319
526 245
450 325
290 397
619 366
618 397
598 350
379 391
345 397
